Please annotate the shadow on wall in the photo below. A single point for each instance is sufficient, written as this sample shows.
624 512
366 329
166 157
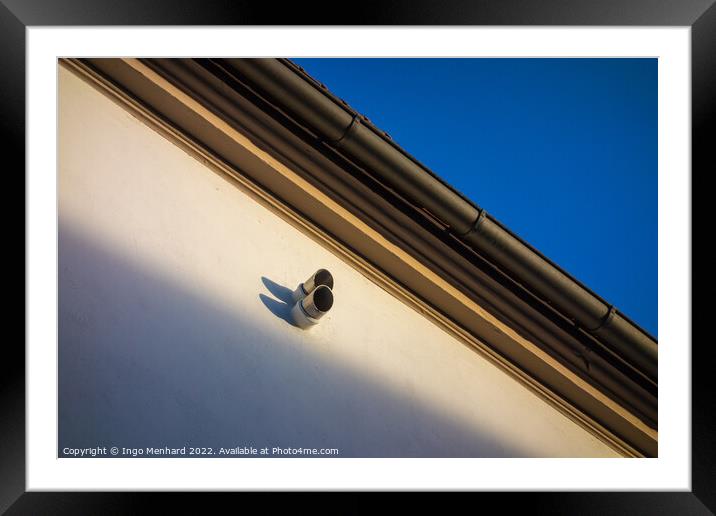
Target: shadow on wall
144 361
281 306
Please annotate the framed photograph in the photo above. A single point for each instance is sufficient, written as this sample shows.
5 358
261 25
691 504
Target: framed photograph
430 250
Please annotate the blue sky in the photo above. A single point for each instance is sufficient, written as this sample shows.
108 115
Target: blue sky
562 151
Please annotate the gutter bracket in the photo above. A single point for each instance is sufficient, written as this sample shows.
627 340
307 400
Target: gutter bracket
337 143
482 214
605 320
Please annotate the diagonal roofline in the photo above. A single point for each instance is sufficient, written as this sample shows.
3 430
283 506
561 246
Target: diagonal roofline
303 167
340 126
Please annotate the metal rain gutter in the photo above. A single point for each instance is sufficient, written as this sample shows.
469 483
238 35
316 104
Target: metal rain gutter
348 132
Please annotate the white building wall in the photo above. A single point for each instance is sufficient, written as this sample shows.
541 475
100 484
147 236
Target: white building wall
172 328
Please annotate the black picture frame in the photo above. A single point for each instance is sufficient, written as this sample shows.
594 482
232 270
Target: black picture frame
700 15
